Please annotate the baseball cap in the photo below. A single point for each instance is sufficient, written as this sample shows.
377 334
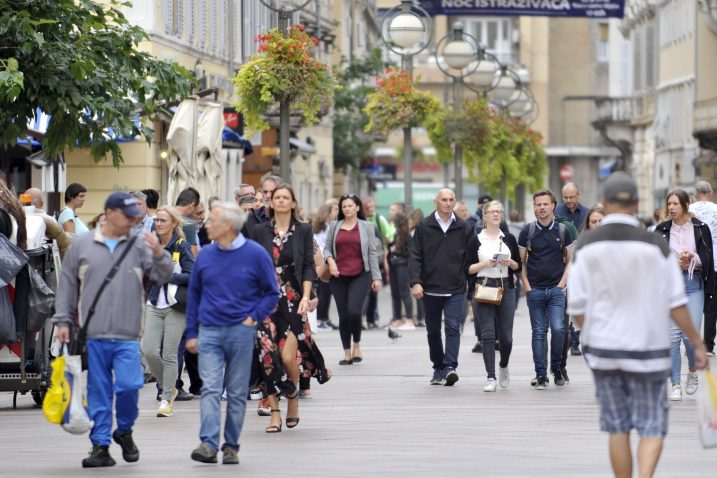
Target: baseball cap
125 202
619 186
484 199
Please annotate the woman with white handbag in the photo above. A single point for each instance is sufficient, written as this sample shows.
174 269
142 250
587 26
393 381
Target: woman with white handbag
166 306
496 263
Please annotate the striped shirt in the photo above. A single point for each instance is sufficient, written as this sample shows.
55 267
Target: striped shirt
625 281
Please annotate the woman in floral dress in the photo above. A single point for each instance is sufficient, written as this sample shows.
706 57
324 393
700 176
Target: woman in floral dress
291 245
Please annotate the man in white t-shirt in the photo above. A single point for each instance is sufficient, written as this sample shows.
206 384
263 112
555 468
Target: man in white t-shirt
706 211
625 286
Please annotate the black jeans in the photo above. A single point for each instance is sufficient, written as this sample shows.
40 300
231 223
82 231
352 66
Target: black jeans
420 311
184 357
349 294
451 307
324 296
372 307
400 290
710 327
497 317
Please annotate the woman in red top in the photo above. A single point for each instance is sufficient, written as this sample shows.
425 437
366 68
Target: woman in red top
353 262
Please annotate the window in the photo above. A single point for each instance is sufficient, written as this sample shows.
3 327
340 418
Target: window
493 33
603 42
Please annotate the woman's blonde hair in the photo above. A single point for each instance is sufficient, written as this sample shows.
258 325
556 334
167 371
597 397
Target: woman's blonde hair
487 205
176 220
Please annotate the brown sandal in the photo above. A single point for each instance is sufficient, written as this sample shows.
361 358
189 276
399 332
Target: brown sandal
274 428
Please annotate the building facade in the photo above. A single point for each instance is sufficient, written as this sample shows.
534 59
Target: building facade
662 103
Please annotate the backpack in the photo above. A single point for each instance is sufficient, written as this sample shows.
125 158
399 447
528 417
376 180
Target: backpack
562 230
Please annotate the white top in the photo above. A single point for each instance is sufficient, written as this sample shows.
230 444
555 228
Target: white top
445 225
706 211
488 248
625 282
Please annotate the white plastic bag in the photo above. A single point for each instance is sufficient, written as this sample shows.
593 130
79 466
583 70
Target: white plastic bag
707 408
313 323
76 419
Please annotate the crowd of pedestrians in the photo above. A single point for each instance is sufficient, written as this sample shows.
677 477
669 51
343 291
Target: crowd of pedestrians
596 283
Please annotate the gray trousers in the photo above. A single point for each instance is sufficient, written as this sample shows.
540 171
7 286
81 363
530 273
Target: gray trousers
163 330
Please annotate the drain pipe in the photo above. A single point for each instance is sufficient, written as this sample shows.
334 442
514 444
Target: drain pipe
709 9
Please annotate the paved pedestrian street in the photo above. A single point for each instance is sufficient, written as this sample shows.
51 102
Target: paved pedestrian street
379 418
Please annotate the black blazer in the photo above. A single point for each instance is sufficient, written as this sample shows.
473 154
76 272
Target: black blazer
302 245
703 241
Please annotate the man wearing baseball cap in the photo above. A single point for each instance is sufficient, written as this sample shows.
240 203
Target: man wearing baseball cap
625 289
114 328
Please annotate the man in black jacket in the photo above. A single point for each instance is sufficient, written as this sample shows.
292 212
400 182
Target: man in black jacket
437 272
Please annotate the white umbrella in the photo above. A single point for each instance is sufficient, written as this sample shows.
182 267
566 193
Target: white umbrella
208 161
181 141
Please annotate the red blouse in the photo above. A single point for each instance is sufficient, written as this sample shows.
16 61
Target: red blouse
349 259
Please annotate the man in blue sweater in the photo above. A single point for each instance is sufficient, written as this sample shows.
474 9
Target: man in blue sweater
221 325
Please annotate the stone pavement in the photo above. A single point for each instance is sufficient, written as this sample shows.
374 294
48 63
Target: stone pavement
379 418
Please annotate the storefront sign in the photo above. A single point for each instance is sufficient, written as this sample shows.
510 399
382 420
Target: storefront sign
542 8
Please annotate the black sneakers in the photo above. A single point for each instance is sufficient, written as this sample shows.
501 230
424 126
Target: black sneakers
130 453
558 377
477 348
541 383
451 377
564 373
99 456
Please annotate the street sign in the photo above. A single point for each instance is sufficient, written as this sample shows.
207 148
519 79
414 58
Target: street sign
540 8
566 173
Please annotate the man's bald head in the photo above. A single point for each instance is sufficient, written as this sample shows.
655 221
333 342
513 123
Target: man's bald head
36 196
571 196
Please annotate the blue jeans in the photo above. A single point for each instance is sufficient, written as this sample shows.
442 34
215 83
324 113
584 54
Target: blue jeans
219 347
124 358
695 303
452 308
547 309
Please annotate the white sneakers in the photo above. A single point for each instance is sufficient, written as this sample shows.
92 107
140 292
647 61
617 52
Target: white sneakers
166 406
691 385
503 377
676 393
490 385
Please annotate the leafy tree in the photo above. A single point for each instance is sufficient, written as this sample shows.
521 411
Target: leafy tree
78 61
498 151
351 143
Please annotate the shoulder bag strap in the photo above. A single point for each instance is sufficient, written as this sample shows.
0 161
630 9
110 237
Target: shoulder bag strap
108 279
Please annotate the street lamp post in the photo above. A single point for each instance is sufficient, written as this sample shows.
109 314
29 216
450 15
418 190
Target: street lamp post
460 54
406 29
284 113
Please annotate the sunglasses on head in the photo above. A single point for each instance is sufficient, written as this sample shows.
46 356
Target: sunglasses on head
347 196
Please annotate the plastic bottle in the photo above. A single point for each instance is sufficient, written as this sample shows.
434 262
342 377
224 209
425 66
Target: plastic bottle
34 223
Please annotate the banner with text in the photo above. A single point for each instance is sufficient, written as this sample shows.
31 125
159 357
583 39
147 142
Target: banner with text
542 8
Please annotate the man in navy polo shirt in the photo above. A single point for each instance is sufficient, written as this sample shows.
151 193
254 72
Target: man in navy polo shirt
545 251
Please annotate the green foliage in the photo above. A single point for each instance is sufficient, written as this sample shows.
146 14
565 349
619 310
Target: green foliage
351 143
78 61
283 70
397 103
498 151
12 80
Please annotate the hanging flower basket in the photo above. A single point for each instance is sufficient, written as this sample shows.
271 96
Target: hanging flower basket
396 103
283 70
